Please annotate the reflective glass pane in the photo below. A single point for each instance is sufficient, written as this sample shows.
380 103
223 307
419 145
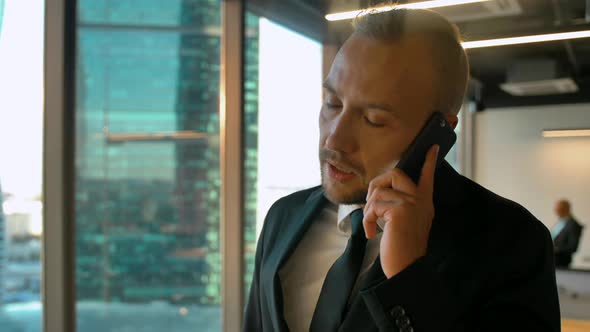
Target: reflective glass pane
147 163
282 101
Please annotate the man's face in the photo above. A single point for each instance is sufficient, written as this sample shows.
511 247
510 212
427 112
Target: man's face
378 96
562 209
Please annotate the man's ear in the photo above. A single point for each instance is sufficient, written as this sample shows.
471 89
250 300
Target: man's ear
452 119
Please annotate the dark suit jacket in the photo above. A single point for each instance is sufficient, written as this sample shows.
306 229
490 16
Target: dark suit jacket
568 239
489 267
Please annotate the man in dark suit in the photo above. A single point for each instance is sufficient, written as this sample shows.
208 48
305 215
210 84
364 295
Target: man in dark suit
369 249
566 234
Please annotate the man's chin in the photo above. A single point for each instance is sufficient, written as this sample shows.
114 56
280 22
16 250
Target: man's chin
341 193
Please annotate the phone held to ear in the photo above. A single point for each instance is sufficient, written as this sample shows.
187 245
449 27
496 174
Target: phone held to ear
437 130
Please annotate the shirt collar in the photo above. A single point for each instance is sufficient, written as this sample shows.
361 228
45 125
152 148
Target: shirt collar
344 211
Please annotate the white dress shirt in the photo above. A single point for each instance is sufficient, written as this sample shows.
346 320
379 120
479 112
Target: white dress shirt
558 227
304 272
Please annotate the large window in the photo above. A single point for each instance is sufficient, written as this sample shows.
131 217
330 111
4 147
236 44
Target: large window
21 132
147 165
281 134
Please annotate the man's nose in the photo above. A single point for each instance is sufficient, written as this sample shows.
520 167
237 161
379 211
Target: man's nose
342 131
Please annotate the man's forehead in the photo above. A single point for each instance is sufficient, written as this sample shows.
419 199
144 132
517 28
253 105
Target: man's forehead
367 63
361 67
359 46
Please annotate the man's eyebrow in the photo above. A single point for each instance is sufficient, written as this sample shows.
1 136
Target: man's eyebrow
371 105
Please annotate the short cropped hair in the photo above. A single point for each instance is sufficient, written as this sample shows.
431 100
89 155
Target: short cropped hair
450 59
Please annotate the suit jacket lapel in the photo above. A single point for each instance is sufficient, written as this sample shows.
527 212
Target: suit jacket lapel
358 316
292 233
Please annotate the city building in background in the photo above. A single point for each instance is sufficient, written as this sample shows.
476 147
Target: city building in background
147 152
250 137
22 270
147 164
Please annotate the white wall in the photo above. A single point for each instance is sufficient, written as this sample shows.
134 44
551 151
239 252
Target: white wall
515 161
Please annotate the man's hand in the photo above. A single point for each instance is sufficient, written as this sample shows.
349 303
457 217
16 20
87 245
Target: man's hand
407 210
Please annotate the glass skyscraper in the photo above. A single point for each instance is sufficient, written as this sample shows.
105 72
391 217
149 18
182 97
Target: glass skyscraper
147 150
250 135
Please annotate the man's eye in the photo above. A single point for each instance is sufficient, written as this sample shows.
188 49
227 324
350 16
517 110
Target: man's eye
331 105
373 124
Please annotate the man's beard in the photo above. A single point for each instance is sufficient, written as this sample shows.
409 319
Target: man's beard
357 196
348 194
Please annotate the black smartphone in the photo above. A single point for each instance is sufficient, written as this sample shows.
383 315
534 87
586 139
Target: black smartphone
437 130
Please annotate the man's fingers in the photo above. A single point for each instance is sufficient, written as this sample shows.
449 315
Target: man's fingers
382 180
398 180
383 201
426 184
395 179
370 220
388 194
370 226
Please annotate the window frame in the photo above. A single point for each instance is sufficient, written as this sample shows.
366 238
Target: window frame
58 166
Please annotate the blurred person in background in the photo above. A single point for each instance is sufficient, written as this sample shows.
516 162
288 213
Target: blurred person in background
566 234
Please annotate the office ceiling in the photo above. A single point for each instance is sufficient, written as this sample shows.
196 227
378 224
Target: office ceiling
499 18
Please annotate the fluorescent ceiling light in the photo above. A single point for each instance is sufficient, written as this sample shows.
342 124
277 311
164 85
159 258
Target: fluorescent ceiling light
470 44
417 5
527 39
566 132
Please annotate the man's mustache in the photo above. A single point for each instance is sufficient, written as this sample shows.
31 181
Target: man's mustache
336 158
